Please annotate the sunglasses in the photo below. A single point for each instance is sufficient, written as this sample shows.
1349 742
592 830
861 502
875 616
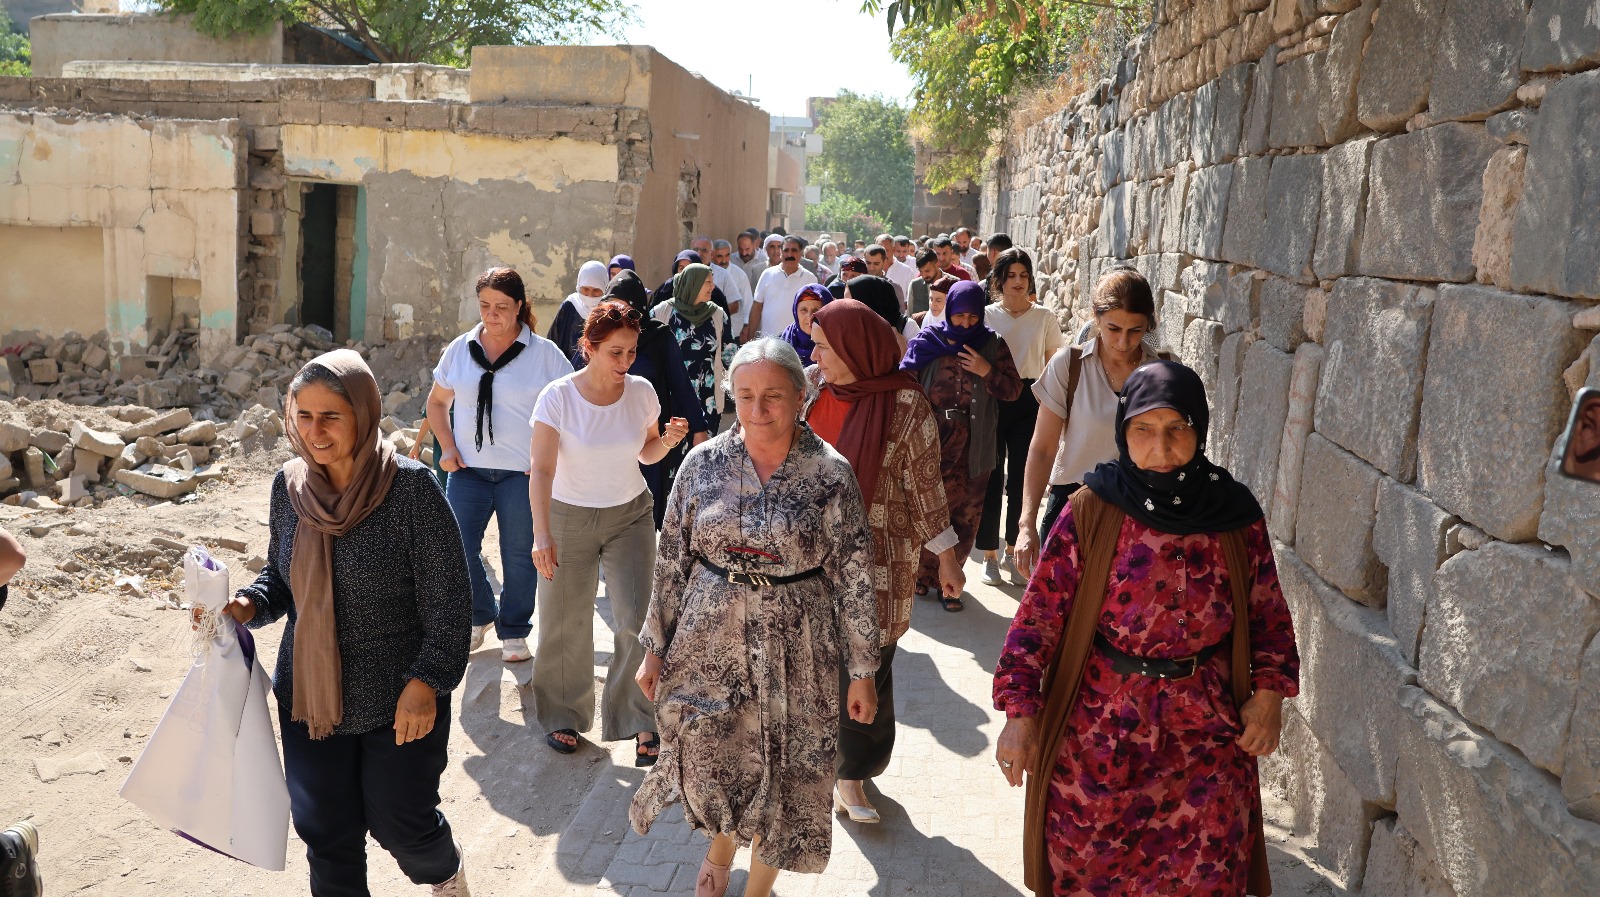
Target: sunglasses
613 313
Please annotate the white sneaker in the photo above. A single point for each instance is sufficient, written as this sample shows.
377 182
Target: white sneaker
1017 579
991 571
457 885
515 650
478 635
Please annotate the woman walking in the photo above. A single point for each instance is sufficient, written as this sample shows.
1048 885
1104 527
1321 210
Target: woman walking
1075 430
1034 336
568 325
493 374
591 431
806 303
966 370
763 599
880 420
365 560
701 328
1146 669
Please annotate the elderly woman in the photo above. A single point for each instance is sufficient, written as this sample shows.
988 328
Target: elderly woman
483 447
879 419
763 595
966 370
364 558
1152 705
806 303
568 325
591 431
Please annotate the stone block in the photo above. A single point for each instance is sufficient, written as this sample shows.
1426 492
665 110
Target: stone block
1283 305
1397 866
1173 313
1326 810
14 437
1495 824
95 441
44 371
1339 72
1245 232
49 441
165 487
1398 63
1233 89
1409 535
1203 119
1212 294
1477 62
1294 203
1294 104
1166 214
166 422
1503 642
1344 199
1284 507
33 466
1207 211
1263 407
1338 500
1376 334
1351 671
199 432
1115 219
1571 515
1502 189
1258 110
1556 237
1423 203
1225 404
1202 340
1492 406
1580 778
1561 35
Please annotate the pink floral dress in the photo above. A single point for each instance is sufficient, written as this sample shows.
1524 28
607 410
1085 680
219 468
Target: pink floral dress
1151 793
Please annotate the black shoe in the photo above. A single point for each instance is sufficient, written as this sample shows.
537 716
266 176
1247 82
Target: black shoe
19 873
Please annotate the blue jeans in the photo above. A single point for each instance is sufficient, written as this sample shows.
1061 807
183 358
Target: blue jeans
476 494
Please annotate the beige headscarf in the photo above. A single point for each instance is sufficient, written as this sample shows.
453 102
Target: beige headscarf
325 514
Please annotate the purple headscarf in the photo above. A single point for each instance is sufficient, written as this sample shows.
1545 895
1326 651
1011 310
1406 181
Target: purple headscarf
622 261
945 338
793 335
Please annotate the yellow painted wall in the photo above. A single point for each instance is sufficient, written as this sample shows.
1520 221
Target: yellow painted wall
52 279
347 154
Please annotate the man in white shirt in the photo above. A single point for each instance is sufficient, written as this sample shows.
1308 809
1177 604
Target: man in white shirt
751 260
878 266
773 307
702 244
963 240
733 283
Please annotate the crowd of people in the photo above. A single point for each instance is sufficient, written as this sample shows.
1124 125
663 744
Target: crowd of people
895 406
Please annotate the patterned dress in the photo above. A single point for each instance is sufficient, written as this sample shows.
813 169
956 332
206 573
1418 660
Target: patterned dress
951 389
703 348
748 700
1151 792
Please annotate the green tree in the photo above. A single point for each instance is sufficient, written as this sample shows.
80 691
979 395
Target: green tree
866 155
841 214
438 31
974 60
16 53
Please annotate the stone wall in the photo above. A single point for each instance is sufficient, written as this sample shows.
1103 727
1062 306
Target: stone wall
943 211
1370 225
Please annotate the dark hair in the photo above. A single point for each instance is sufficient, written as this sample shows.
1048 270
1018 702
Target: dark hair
943 243
875 250
1002 265
605 319
320 375
1126 289
1001 242
508 281
878 294
927 257
964 230
796 240
902 241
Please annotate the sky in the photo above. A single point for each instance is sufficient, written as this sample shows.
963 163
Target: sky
731 42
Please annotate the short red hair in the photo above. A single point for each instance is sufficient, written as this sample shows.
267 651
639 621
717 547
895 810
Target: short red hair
605 319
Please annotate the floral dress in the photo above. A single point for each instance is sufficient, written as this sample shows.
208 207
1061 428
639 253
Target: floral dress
706 349
1151 792
747 704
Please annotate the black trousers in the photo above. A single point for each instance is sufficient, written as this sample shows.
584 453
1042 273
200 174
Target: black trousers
344 786
1011 459
1058 501
865 748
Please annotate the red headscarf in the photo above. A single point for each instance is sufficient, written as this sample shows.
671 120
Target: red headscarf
867 345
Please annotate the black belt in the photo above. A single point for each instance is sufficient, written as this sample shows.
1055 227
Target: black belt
757 580
953 413
1155 668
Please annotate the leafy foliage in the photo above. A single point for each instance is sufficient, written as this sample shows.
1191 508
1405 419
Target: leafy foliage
867 156
16 53
973 60
438 31
843 214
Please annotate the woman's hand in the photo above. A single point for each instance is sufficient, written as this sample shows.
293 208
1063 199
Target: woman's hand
677 429
974 363
414 712
415 452
1017 747
862 699
1026 550
450 461
649 674
544 555
952 579
1262 716
238 607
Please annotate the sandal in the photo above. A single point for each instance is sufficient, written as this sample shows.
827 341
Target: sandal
650 750
953 605
559 746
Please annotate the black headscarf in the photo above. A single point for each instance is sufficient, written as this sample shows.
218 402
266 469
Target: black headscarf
630 289
1199 497
878 294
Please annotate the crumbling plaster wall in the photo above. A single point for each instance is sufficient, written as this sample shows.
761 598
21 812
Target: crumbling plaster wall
163 194
1366 224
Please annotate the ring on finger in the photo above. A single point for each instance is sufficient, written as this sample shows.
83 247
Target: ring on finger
1005 764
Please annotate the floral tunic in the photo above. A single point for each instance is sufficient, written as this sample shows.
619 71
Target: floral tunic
1151 792
704 350
748 700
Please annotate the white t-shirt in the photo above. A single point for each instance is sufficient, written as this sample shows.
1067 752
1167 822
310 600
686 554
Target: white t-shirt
597 464
775 291
902 274
735 287
516 389
1029 336
1091 433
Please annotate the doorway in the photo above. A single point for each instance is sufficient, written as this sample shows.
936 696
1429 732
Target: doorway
328 251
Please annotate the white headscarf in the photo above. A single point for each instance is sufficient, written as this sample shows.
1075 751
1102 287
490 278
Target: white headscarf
592 274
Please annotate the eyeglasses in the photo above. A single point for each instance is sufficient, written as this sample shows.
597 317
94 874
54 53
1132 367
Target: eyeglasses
614 313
